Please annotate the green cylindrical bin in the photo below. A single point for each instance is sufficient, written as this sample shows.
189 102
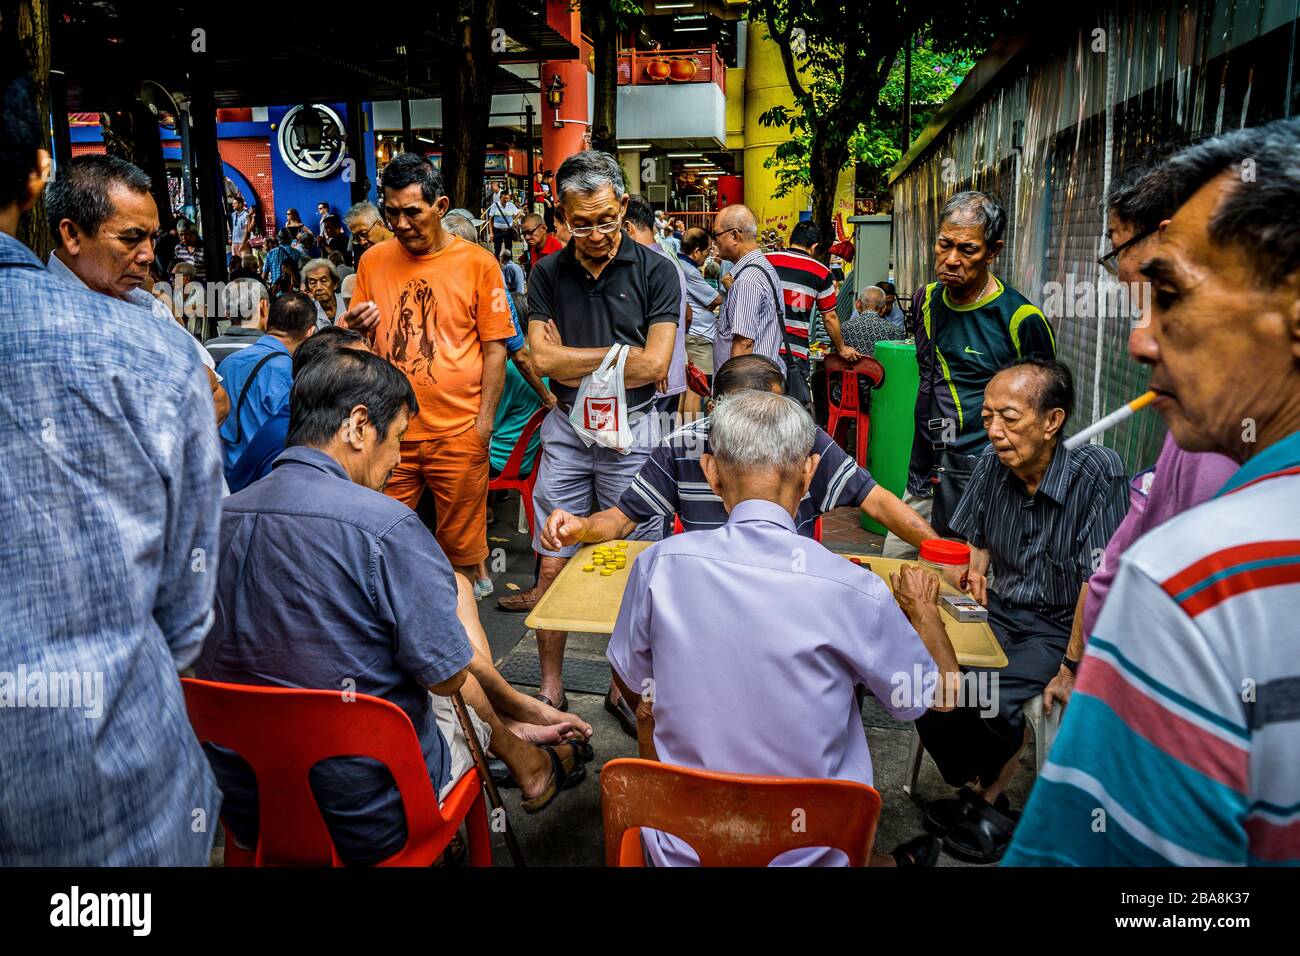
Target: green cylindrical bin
893 418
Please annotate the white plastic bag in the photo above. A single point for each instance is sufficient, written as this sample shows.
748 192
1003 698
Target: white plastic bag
599 413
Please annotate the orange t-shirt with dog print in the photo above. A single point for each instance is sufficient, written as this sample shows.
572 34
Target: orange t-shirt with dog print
434 312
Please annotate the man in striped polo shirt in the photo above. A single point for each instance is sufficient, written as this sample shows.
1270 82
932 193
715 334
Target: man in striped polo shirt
1181 743
805 283
672 482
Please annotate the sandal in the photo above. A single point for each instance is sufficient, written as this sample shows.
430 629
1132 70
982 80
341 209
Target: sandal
517 603
941 816
561 779
562 705
623 712
922 851
505 780
983 837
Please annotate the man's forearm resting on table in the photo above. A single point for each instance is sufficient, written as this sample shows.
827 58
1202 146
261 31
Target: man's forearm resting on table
929 627
884 506
607 525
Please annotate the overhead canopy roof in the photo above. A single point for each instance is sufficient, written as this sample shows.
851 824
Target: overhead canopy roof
276 54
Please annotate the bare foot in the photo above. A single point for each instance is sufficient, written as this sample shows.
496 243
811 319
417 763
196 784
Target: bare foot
537 777
542 714
539 733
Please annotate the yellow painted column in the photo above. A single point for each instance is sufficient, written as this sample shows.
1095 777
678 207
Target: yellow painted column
765 87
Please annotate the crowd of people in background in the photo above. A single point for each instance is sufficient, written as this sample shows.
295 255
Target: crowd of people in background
236 486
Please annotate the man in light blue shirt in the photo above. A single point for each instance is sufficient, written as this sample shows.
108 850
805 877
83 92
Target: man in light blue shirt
258 378
109 501
711 619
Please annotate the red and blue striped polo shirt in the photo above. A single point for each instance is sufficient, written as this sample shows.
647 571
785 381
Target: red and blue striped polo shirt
1181 743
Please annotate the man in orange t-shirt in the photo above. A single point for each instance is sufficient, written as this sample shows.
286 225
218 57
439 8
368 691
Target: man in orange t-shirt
443 319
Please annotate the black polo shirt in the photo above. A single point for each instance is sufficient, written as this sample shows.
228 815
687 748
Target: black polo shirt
637 289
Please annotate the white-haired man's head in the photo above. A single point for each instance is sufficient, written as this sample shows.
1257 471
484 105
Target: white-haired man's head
871 299
760 446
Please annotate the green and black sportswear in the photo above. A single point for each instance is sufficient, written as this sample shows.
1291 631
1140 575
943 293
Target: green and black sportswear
958 349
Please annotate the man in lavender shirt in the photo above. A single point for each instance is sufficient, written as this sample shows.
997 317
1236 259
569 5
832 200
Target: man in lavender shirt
1179 480
715 625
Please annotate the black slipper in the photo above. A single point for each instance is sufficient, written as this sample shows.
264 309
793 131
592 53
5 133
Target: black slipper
983 837
626 715
561 780
920 851
943 815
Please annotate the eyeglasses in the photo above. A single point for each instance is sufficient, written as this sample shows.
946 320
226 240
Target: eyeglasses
715 236
604 228
1110 261
365 233
529 232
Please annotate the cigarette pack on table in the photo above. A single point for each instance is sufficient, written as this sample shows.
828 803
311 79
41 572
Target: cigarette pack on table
963 608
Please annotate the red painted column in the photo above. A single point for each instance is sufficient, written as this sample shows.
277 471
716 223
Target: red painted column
562 139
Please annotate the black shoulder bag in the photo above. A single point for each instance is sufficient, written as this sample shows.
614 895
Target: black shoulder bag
243 394
796 380
952 470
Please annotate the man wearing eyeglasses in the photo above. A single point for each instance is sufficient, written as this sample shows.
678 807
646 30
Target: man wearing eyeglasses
752 314
364 223
600 290
540 242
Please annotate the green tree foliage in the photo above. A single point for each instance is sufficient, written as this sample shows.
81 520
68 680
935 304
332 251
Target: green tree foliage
840 56
875 145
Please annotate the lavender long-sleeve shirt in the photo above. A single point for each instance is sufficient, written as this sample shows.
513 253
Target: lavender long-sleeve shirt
1179 480
752 639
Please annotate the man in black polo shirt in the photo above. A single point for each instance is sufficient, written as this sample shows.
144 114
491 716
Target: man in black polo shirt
600 290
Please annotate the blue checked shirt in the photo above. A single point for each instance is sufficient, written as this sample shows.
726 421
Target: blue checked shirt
275 261
110 499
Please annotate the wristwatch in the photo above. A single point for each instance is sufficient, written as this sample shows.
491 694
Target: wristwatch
1069 665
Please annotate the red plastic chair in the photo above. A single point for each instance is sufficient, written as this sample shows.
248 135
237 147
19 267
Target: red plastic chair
283 732
678 527
732 819
852 406
510 477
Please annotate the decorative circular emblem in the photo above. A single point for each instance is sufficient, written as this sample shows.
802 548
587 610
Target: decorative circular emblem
312 141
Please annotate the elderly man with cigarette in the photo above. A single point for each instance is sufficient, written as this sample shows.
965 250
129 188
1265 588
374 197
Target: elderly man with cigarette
1036 513
1183 727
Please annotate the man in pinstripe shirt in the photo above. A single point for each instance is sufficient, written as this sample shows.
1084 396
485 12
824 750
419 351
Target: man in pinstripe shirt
1039 516
752 314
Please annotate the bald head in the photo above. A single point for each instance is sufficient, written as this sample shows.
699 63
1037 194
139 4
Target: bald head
736 232
737 217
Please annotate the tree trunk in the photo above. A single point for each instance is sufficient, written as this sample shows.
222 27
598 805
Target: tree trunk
468 78
30 19
604 38
824 164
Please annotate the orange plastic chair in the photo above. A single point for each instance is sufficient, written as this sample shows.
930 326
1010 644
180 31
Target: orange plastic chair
852 406
678 527
283 732
732 819
510 477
